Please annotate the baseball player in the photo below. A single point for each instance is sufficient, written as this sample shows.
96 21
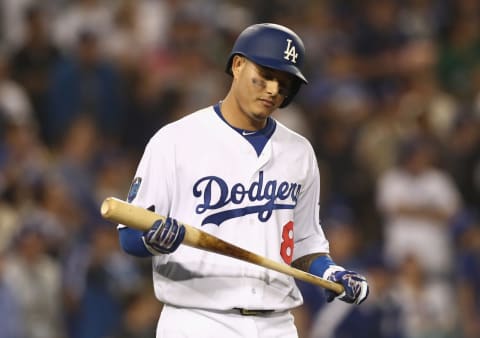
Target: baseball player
233 171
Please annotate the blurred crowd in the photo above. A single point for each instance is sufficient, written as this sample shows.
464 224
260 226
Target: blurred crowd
392 109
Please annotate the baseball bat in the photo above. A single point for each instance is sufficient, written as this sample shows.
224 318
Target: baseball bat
118 211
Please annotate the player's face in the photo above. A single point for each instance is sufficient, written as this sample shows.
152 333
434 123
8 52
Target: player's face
260 90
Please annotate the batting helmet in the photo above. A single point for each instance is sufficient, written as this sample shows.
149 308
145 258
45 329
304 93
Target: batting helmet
273 46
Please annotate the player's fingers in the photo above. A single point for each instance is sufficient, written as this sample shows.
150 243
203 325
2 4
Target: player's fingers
330 296
158 228
177 235
170 234
364 291
161 235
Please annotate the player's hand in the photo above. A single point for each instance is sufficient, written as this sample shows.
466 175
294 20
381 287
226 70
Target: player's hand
164 236
355 285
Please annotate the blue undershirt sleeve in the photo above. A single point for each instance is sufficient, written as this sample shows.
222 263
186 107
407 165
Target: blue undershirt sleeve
132 243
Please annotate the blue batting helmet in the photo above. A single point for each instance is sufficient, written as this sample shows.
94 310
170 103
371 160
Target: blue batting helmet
273 46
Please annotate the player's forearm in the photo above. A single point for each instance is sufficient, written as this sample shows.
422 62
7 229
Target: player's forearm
304 263
132 243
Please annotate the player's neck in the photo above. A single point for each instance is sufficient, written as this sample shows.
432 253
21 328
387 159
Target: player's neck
236 117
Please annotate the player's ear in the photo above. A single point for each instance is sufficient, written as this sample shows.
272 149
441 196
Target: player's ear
238 63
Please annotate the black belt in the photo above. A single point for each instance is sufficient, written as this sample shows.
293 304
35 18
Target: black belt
248 312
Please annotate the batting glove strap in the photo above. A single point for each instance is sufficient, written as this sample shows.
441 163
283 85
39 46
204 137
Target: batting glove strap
164 236
355 285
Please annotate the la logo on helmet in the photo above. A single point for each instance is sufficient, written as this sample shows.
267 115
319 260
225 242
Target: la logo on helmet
290 52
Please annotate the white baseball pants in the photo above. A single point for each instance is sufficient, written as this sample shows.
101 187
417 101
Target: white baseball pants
196 323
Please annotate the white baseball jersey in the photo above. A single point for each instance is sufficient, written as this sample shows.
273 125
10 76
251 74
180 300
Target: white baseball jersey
202 172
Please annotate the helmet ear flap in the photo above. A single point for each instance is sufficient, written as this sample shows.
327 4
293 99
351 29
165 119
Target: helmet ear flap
293 91
228 68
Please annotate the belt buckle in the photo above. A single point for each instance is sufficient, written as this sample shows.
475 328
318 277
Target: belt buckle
248 312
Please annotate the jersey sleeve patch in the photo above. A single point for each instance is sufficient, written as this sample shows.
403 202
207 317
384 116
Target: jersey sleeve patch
134 187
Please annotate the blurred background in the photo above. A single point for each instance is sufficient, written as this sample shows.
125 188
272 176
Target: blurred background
392 109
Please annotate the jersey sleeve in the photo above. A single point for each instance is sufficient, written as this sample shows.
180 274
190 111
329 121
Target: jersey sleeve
308 233
151 187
